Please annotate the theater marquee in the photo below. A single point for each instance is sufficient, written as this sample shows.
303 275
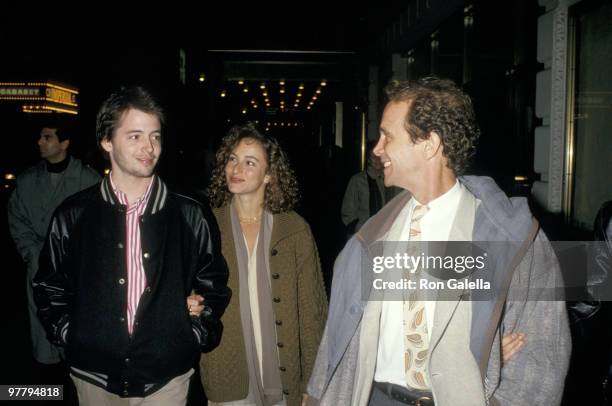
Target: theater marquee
41 97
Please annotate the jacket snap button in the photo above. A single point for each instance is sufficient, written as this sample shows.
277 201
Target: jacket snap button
276 300
275 276
286 392
279 322
274 252
121 281
120 245
283 369
280 345
148 289
122 319
146 255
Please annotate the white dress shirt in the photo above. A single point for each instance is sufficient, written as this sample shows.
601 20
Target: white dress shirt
435 226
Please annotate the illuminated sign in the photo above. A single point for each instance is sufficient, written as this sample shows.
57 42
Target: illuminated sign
61 96
7 91
45 97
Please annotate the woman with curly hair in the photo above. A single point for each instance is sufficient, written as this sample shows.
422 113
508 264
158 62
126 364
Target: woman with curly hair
274 322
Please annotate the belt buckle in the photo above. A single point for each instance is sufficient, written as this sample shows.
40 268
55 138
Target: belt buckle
422 398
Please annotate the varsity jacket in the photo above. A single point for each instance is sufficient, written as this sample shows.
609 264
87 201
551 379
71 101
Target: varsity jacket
81 288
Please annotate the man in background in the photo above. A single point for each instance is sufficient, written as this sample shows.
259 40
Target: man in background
39 190
365 194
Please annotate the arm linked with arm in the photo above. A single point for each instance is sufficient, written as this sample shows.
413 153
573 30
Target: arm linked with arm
211 283
536 374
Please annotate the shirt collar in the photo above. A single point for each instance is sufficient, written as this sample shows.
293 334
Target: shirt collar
446 201
122 197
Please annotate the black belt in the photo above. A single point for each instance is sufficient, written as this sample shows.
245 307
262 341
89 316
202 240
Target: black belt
404 395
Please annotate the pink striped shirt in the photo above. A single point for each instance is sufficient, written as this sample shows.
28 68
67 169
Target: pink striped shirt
136 278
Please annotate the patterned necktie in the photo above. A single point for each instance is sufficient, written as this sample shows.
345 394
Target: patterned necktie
416 340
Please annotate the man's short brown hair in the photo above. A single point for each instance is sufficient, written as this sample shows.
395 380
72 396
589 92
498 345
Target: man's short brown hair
439 105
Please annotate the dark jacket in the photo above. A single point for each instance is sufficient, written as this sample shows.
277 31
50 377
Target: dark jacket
81 285
603 255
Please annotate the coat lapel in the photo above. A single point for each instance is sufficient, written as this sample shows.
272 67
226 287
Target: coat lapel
460 231
281 229
227 241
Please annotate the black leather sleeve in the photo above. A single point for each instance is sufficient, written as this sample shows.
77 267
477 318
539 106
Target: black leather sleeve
52 292
210 280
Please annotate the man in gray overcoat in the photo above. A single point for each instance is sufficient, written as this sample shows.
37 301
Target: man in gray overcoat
444 352
39 190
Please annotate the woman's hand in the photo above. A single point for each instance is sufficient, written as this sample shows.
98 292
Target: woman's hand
195 305
511 344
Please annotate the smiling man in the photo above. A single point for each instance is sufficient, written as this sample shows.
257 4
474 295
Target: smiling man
118 262
445 352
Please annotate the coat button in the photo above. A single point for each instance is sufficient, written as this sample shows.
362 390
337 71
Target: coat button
146 255
122 319
280 345
121 281
283 369
275 276
279 322
285 391
120 245
274 252
148 289
276 300
127 360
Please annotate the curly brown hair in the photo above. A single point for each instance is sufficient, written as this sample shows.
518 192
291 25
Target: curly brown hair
439 105
281 193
